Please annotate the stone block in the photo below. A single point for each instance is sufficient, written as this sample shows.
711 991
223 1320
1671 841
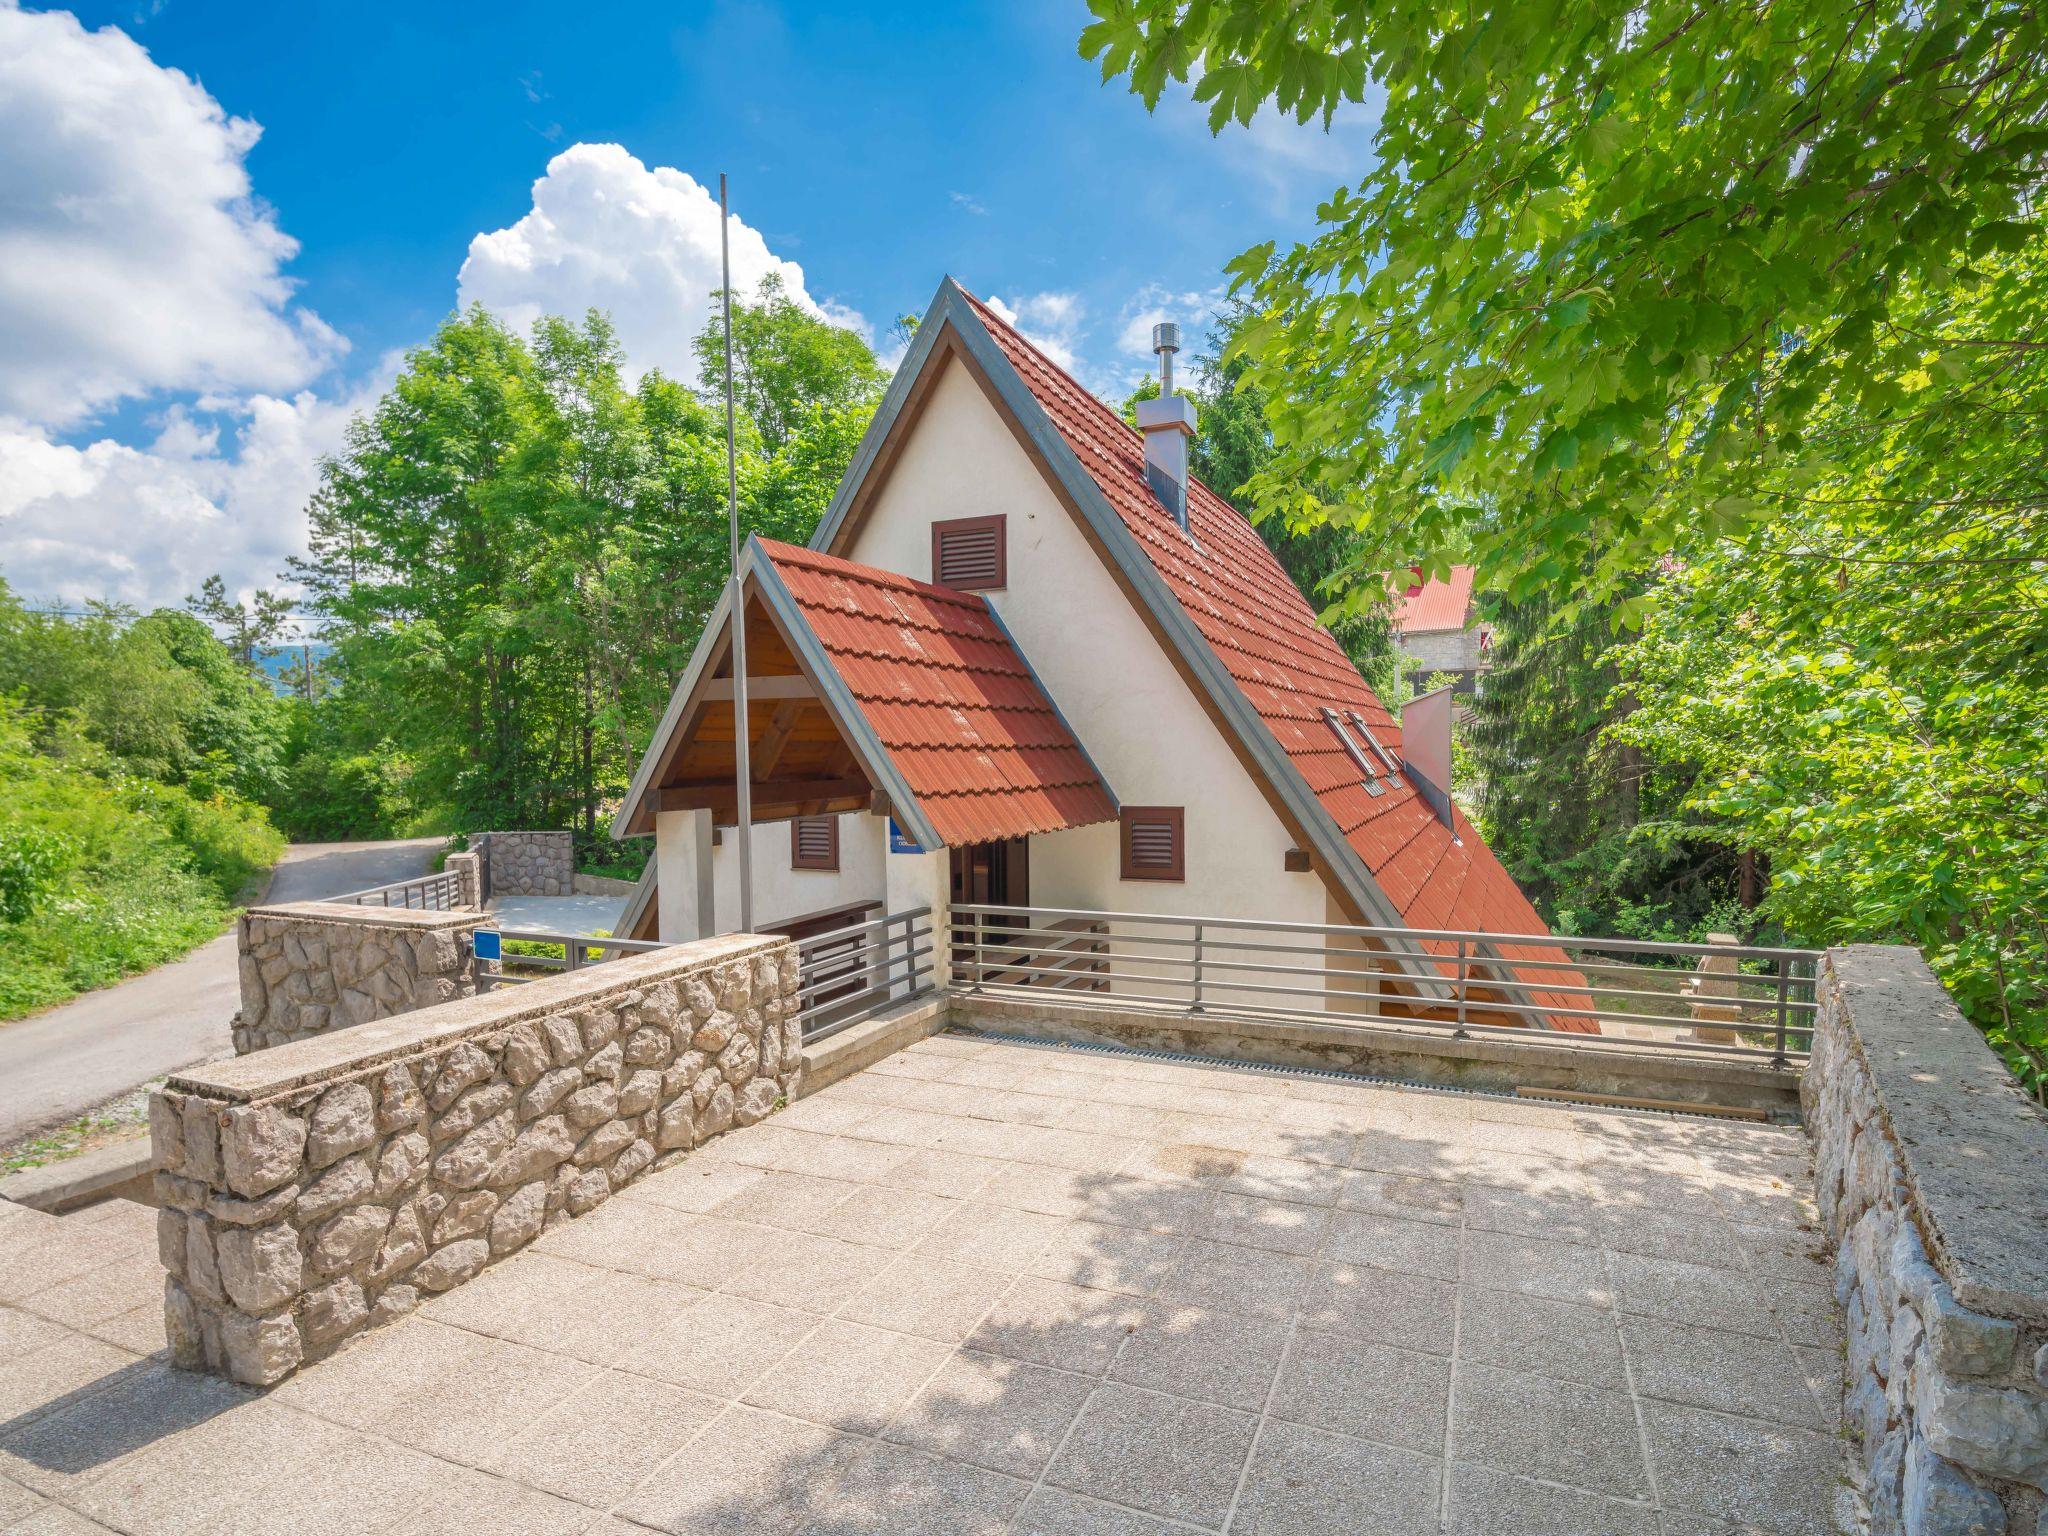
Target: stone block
564 1039
539 1147
715 1032
592 1104
1998 1432
262 1146
476 1105
166 1133
588 1190
202 1266
468 1163
631 1163
345 1184
736 1063
450 1266
525 1056
231 1210
676 1130
609 1063
1939 1501
332 1312
1967 1343
401 1165
717 1114
640 1093
755 1102
463 1067
548 1090
349 1239
394 1302
404 1245
261 1267
518 1220
182 1328
610 1137
260 1350
464 1216
399 1101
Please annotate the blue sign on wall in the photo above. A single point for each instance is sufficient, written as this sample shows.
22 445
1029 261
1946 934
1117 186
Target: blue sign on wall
488 944
898 843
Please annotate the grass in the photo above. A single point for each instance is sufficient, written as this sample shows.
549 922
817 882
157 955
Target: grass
121 1119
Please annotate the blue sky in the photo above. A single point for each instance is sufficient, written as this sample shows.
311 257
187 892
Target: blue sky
876 148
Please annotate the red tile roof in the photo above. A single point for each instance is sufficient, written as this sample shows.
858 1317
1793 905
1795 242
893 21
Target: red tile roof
1435 605
1290 669
980 745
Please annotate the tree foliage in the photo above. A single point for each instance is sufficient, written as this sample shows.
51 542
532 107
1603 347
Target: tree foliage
517 550
1723 320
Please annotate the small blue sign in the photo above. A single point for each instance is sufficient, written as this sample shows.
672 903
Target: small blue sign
898 843
487 944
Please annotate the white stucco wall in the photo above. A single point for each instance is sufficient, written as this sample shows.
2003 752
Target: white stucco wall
1119 691
780 892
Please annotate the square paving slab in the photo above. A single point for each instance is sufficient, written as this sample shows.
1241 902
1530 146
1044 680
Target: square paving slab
992 1289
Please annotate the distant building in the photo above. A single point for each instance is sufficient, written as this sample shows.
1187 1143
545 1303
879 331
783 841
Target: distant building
1439 631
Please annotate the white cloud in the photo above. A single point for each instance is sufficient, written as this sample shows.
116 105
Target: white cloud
1292 163
133 257
607 232
967 202
1052 322
146 525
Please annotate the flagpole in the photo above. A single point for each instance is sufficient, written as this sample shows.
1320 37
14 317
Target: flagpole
741 727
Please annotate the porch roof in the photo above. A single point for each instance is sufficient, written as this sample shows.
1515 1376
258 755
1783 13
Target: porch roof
868 685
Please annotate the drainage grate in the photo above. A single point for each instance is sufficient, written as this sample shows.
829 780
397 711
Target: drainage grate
1329 1074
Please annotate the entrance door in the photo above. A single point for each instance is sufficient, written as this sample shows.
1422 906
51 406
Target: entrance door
989 874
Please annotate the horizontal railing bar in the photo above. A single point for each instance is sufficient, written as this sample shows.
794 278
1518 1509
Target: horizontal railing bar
1479 978
1447 1026
873 989
852 928
1449 935
854 972
1479 1004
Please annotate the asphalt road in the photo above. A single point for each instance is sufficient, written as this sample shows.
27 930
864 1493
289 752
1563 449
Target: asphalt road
58 1064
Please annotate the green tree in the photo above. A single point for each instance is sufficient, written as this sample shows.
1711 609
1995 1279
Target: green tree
517 552
1612 259
784 360
252 627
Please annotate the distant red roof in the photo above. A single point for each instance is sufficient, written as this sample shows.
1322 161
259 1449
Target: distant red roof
1438 604
940 683
1290 669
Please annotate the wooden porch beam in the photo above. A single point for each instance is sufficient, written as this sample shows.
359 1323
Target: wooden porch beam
769 752
772 792
792 686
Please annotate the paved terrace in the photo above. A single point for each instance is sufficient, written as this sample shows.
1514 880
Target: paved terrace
1000 1288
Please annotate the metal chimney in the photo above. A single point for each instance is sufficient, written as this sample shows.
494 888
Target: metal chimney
1168 424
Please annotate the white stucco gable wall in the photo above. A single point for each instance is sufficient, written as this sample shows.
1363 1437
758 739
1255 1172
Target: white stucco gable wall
1119 691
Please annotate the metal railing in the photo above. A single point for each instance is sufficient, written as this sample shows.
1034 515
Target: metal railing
535 957
425 893
1721 999
848 974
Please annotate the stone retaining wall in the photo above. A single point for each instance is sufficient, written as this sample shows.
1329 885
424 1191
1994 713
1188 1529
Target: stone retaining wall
324 1187
531 863
316 966
1932 1179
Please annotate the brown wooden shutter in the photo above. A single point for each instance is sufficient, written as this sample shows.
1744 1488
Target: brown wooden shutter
814 843
1154 842
970 553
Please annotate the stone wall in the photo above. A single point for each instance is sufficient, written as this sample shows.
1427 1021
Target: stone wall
311 967
1932 1179
531 863
324 1187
